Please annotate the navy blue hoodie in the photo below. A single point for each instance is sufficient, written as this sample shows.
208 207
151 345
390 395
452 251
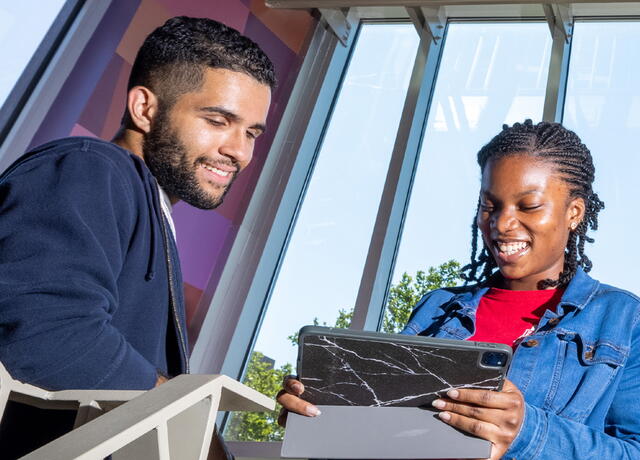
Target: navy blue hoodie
86 262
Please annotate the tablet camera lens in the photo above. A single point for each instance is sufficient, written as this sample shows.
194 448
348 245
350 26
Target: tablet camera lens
494 359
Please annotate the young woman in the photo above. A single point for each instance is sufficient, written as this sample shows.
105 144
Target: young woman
575 375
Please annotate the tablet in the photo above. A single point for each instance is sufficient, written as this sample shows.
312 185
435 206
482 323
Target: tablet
375 392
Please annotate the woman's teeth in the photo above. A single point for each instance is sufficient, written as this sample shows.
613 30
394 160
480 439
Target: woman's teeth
216 170
512 248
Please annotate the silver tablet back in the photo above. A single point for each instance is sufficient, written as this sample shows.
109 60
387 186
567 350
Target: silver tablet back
358 432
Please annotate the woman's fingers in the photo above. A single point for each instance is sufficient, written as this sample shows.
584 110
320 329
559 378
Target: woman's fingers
468 410
294 404
487 398
491 415
289 399
479 428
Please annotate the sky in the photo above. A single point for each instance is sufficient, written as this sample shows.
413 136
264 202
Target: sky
490 74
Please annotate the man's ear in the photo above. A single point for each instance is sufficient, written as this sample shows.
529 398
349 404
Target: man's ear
142 105
575 212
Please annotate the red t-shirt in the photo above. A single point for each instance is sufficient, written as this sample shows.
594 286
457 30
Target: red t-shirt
504 316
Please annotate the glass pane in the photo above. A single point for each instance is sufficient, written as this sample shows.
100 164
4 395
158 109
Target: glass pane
490 74
23 25
603 108
321 271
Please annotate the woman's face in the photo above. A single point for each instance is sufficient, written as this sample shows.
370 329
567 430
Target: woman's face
525 218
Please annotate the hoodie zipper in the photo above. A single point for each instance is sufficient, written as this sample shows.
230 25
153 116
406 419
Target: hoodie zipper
176 319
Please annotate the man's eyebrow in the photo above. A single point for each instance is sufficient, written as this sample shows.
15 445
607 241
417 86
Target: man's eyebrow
231 116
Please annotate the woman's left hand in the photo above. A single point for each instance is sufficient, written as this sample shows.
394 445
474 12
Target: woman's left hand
492 415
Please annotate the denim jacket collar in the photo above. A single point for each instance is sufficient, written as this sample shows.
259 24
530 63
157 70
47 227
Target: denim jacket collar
578 292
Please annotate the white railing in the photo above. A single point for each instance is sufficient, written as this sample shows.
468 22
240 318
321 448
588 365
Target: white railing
172 421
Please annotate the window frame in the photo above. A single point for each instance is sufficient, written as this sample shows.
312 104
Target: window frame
37 88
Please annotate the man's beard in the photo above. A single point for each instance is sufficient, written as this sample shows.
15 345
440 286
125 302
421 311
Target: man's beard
167 159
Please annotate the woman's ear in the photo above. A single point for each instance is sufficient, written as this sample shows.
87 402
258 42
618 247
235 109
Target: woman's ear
575 212
142 105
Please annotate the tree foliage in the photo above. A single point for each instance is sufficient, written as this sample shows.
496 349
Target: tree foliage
259 426
262 376
406 294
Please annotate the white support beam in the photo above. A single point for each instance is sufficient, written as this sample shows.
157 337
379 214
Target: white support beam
176 417
338 22
560 22
435 20
429 22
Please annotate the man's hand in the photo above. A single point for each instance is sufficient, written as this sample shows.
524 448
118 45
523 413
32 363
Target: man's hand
289 398
491 415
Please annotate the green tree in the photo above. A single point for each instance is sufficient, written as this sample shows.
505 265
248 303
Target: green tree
406 294
262 376
259 426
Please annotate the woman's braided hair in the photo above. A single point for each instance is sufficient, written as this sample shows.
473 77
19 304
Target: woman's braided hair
556 144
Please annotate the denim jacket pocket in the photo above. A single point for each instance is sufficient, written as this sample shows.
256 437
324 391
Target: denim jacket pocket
587 368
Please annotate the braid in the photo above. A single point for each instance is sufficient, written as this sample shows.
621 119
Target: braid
553 143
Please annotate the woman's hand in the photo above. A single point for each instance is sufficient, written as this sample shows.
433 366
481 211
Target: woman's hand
491 415
289 398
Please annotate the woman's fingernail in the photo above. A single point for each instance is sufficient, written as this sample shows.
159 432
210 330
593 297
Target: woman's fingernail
438 403
453 393
297 387
312 411
445 416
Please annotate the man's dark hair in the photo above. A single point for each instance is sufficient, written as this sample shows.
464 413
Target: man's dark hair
553 143
173 57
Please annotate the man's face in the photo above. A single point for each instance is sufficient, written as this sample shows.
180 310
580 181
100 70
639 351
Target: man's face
196 148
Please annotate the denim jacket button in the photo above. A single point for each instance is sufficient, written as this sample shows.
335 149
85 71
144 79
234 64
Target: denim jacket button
588 354
553 321
531 343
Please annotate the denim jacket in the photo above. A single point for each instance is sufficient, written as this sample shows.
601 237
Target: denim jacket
579 371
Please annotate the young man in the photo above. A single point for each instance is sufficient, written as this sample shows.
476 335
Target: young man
90 284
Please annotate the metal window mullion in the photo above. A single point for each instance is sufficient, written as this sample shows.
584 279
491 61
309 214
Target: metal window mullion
562 34
395 196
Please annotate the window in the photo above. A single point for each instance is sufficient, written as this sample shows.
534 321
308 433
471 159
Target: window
490 74
321 271
603 107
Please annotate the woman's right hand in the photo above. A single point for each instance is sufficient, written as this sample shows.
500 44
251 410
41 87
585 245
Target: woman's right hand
289 398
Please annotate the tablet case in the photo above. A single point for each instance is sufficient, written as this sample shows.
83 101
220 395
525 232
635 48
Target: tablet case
370 370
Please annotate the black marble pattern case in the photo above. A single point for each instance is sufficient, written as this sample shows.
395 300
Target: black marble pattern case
364 371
